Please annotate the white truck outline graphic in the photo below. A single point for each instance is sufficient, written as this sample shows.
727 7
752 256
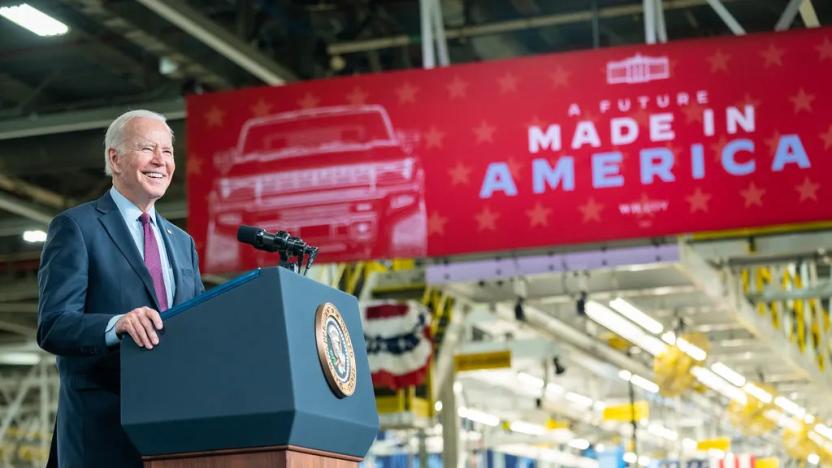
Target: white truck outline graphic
368 205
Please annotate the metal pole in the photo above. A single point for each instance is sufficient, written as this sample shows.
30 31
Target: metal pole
450 426
787 18
45 423
726 16
649 8
428 55
439 29
661 30
596 28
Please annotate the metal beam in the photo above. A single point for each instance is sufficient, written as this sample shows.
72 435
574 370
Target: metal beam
649 12
217 38
808 15
727 17
14 90
787 18
502 27
38 194
18 308
144 36
82 120
26 209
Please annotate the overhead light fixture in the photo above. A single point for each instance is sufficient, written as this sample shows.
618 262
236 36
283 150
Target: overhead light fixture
34 20
580 444
645 384
824 430
758 393
809 419
661 431
527 428
479 416
34 236
20 358
716 383
614 322
691 349
530 380
633 313
638 381
728 374
578 399
813 458
790 407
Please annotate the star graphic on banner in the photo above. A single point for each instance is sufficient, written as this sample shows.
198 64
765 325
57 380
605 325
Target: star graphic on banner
642 117
693 112
539 215
698 201
484 132
753 195
508 83
193 164
457 88
560 77
773 55
261 108
802 101
434 137
747 100
515 167
772 142
308 101
436 224
717 146
535 122
357 97
487 219
591 210
676 151
719 61
827 138
588 116
673 64
214 117
807 190
407 93
460 174
824 49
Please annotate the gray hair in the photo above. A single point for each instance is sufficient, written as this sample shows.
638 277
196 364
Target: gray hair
114 137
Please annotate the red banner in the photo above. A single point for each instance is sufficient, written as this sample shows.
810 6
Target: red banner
599 145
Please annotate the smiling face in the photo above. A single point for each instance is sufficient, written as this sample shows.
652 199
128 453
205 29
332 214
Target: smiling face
143 164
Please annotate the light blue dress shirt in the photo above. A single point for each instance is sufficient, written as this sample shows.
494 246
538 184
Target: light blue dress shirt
130 213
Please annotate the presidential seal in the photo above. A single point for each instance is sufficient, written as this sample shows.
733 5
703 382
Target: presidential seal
335 350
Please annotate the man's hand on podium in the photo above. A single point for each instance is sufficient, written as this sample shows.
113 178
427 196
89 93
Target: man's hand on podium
141 324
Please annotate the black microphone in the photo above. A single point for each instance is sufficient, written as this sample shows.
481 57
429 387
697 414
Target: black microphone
262 240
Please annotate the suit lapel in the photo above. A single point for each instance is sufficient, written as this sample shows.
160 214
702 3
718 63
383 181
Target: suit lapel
174 256
115 227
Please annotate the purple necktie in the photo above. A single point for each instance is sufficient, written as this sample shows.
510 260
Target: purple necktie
153 262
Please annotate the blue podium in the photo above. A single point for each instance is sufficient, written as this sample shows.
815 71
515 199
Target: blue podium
269 369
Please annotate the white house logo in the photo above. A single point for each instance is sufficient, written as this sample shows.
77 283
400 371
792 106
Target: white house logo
638 69
335 350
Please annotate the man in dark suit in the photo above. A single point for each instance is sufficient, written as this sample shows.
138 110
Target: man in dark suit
107 269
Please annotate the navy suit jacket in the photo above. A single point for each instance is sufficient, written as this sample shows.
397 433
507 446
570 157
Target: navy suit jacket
91 270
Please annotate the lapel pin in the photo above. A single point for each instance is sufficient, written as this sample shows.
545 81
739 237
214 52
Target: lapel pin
170 232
